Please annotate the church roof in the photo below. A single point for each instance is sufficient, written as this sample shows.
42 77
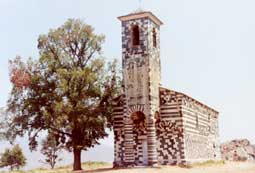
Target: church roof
185 95
141 14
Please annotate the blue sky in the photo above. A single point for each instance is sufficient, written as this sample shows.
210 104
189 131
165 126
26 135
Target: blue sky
207 48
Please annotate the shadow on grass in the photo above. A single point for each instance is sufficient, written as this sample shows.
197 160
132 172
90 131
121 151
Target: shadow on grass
99 170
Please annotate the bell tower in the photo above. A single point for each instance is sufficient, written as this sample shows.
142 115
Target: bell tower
141 76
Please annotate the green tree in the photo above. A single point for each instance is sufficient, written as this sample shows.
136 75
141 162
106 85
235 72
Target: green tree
13 158
50 149
67 91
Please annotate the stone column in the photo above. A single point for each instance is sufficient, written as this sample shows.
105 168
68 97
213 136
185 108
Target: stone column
152 141
129 157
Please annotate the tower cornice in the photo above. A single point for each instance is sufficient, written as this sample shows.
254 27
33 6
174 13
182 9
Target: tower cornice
139 15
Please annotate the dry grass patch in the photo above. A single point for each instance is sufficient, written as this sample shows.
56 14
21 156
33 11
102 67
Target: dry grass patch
203 167
208 163
66 169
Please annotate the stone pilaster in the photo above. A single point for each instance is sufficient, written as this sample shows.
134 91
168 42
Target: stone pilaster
129 156
152 141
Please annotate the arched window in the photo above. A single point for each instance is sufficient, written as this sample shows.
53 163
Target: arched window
157 116
154 37
135 35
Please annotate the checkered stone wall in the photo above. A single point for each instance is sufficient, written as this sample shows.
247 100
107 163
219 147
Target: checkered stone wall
169 129
170 143
118 129
201 134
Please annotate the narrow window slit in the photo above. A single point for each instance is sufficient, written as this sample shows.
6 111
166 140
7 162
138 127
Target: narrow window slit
135 36
154 35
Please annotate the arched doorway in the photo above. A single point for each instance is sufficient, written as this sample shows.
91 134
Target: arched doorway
140 137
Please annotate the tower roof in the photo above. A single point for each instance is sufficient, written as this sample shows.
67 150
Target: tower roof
141 14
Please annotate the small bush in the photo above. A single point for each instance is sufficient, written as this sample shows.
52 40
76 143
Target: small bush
185 165
13 158
242 159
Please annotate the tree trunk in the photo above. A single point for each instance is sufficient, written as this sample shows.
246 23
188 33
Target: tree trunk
77 160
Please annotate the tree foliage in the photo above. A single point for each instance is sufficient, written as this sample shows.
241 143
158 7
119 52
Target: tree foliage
2 124
67 91
13 158
19 75
50 149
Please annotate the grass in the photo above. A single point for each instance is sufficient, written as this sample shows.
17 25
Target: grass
208 163
99 165
65 169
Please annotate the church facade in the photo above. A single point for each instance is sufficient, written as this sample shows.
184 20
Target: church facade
152 124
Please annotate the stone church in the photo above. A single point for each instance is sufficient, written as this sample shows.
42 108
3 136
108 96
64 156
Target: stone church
154 125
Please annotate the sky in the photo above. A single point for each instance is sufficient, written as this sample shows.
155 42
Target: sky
207 51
